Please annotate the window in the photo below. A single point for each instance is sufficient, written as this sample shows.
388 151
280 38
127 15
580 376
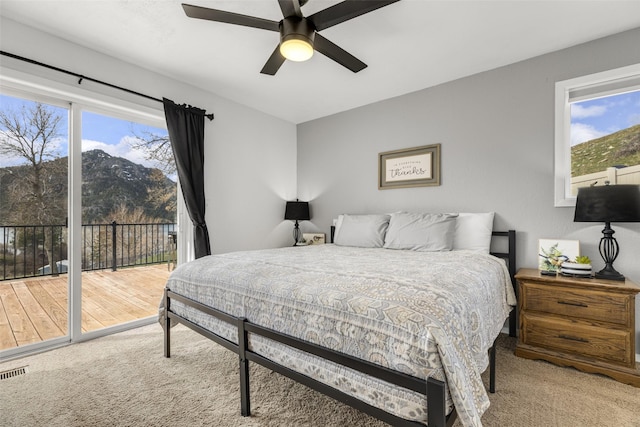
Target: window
597 136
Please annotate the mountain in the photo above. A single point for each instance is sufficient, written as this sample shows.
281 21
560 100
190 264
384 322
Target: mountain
108 183
618 149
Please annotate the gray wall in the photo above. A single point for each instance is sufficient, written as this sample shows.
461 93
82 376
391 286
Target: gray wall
497 134
250 157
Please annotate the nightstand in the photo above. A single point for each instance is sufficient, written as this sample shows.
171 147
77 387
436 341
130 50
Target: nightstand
585 323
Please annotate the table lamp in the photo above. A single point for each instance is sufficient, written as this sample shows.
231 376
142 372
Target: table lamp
608 203
297 211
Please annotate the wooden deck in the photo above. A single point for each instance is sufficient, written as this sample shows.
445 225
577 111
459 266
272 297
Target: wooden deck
35 309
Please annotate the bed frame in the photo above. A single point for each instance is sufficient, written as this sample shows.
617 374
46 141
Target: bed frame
433 389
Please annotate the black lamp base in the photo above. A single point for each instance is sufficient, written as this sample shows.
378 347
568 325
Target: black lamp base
609 250
609 273
296 234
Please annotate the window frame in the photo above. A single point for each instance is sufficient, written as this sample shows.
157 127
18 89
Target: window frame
598 85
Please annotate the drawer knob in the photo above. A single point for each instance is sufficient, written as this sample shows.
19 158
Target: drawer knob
575 304
569 337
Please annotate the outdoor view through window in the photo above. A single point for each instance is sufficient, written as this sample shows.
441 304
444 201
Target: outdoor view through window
128 197
605 140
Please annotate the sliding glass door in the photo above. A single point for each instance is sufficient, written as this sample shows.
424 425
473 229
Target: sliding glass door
34 142
87 218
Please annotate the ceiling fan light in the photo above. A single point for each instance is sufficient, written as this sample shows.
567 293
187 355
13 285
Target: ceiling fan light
296 49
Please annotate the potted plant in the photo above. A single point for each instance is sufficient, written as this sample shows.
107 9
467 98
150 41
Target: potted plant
581 266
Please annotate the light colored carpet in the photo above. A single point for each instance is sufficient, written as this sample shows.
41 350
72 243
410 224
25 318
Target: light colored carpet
124 380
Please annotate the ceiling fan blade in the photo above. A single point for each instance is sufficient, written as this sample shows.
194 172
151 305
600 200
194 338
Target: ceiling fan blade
344 11
274 63
335 52
290 8
229 17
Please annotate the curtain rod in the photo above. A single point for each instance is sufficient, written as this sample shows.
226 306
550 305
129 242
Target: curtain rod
81 78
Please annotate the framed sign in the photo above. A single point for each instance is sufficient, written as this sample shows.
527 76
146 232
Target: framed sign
313 238
410 167
553 252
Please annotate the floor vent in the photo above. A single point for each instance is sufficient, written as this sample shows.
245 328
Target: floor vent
13 373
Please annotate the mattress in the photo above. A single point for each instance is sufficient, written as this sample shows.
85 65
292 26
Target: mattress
426 314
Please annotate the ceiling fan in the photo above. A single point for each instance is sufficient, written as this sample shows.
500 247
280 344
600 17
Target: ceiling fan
298 34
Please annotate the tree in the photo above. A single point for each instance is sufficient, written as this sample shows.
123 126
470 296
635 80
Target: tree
32 133
124 214
158 149
160 197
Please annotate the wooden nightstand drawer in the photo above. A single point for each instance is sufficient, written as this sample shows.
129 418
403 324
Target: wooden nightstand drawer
579 303
581 322
578 338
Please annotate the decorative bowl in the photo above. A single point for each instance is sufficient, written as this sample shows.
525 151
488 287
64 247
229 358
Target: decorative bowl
575 269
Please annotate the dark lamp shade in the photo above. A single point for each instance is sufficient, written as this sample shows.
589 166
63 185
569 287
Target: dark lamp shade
608 203
297 211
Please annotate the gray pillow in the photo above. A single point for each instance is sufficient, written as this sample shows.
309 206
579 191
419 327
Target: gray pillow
421 232
364 231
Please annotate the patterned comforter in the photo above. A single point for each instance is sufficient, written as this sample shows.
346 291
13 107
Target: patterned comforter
421 313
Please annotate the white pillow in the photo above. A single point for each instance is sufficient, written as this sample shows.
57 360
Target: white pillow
364 231
473 231
421 232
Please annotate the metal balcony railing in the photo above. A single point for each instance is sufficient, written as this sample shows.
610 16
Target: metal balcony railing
32 250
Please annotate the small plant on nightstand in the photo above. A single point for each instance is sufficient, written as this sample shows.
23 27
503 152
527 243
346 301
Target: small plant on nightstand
583 259
580 267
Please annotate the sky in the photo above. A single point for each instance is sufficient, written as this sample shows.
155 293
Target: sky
112 135
595 118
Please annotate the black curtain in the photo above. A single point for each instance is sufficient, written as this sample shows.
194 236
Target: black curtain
186 133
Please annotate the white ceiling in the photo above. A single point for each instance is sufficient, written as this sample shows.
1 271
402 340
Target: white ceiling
408 46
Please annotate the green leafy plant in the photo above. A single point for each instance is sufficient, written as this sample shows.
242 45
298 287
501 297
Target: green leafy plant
583 259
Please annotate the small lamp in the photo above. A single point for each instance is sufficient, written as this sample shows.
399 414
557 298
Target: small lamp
608 203
297 211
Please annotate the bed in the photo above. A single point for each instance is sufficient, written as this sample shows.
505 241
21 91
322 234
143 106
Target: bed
386 319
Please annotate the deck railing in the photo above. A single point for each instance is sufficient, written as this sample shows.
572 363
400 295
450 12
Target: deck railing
32 250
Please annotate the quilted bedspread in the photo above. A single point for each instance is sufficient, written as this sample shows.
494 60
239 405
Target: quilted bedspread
421 313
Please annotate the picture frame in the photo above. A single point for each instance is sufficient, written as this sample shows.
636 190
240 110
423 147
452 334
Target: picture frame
314 238
552 252
409 167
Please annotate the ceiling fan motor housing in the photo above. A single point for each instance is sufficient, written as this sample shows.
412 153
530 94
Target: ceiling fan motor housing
294 28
